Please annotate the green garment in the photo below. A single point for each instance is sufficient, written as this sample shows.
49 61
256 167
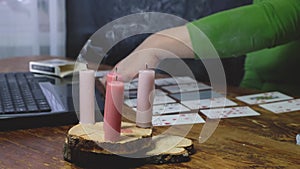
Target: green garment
268 31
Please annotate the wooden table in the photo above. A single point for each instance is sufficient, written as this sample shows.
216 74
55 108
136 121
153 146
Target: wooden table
265 141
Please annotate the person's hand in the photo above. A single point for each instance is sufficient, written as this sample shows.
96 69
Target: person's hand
129 67
169 43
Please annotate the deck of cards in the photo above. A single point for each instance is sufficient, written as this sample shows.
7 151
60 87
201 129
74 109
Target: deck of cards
179 100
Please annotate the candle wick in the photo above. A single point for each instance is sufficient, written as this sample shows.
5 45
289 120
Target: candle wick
116 69
116 78
146 66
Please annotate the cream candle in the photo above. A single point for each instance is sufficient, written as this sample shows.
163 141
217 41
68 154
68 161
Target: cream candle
113 110
145 97
86 96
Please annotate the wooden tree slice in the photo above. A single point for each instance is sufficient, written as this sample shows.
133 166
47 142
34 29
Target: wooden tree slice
90 138
170 149
85 146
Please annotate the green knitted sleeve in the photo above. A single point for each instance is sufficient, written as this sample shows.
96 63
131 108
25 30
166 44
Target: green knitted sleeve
248 28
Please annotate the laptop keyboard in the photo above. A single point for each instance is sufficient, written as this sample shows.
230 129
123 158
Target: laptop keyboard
21 93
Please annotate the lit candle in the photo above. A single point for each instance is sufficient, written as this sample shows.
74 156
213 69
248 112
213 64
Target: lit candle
113 110
86 96
145 97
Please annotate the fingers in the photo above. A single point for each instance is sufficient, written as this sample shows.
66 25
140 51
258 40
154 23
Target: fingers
125 71
129 67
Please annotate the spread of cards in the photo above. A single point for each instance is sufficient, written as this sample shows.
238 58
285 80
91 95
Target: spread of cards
179 100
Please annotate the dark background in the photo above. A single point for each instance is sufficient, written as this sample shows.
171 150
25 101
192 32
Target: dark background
85 17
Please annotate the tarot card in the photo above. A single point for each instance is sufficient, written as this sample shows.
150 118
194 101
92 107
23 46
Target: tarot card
169 108
184 80
195 95
229 112
101 73
263 98
157 100
132 94
130 86
282 107
174 80
159 92
208 103
163 100
130 102
177 119
186 87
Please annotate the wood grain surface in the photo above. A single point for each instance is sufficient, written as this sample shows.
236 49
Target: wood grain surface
265 141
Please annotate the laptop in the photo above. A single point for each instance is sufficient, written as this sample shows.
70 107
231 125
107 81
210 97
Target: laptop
29 100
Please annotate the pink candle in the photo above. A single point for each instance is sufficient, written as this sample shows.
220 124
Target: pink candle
111 76
113 109
145 97
86 96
